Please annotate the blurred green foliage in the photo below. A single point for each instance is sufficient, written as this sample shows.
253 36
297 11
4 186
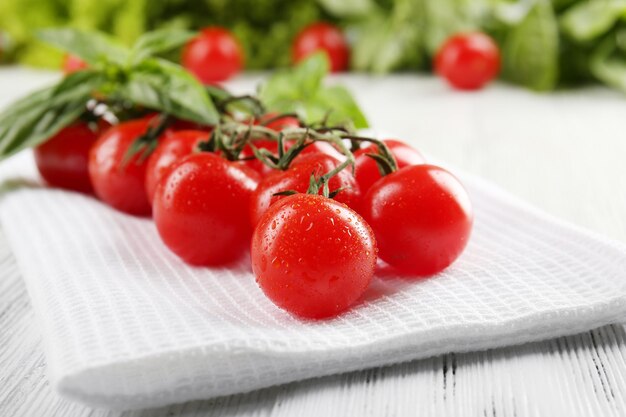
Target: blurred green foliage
265 28
545 43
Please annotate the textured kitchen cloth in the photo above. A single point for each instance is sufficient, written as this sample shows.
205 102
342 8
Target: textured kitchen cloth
126 324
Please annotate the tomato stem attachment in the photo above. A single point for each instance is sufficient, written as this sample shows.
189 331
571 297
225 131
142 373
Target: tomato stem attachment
385 160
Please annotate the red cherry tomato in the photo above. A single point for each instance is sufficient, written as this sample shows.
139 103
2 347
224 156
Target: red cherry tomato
72 63
313 256
63 159
297 178
200 209
468 60
116 182
213 56
324 148
172 147
421 216
366 170
322 37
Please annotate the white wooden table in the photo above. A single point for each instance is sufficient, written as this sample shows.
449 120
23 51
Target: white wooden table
564 152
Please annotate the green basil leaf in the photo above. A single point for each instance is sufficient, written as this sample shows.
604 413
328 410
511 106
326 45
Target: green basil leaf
217 93
93 47
300 90
589 20
167 87
530 50
159 41
343 108
295 84
40 115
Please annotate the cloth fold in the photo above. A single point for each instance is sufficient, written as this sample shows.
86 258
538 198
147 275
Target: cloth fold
126 324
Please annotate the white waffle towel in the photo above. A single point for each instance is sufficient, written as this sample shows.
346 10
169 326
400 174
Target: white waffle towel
126 324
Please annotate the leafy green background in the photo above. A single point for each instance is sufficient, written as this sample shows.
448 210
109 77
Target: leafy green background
545 43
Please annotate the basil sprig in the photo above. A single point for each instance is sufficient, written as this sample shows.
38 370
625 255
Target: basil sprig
301 90
116 74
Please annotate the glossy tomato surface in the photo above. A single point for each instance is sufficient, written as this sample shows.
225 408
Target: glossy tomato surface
322 37
323 148
312 256
468 61
118 182
422 218
63 159
213 56
366 170
201 209
171 148
297 178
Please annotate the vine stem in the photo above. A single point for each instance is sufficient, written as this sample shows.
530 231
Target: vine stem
239 134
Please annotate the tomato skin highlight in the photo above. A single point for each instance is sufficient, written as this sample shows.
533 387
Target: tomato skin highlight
201 209
119 184
297 178
468 61
366 170
422 218
312 256
173 147
325 37
63 159
213 56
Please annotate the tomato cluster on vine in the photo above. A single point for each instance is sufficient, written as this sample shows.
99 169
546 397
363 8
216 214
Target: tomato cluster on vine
317 206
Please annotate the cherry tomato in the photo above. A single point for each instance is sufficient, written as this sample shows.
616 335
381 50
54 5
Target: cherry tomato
468 60
366 170
324 148
322 37
172 147
119 183
63 159
297 178
72 63
200 209
213 56
421 216
313 256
